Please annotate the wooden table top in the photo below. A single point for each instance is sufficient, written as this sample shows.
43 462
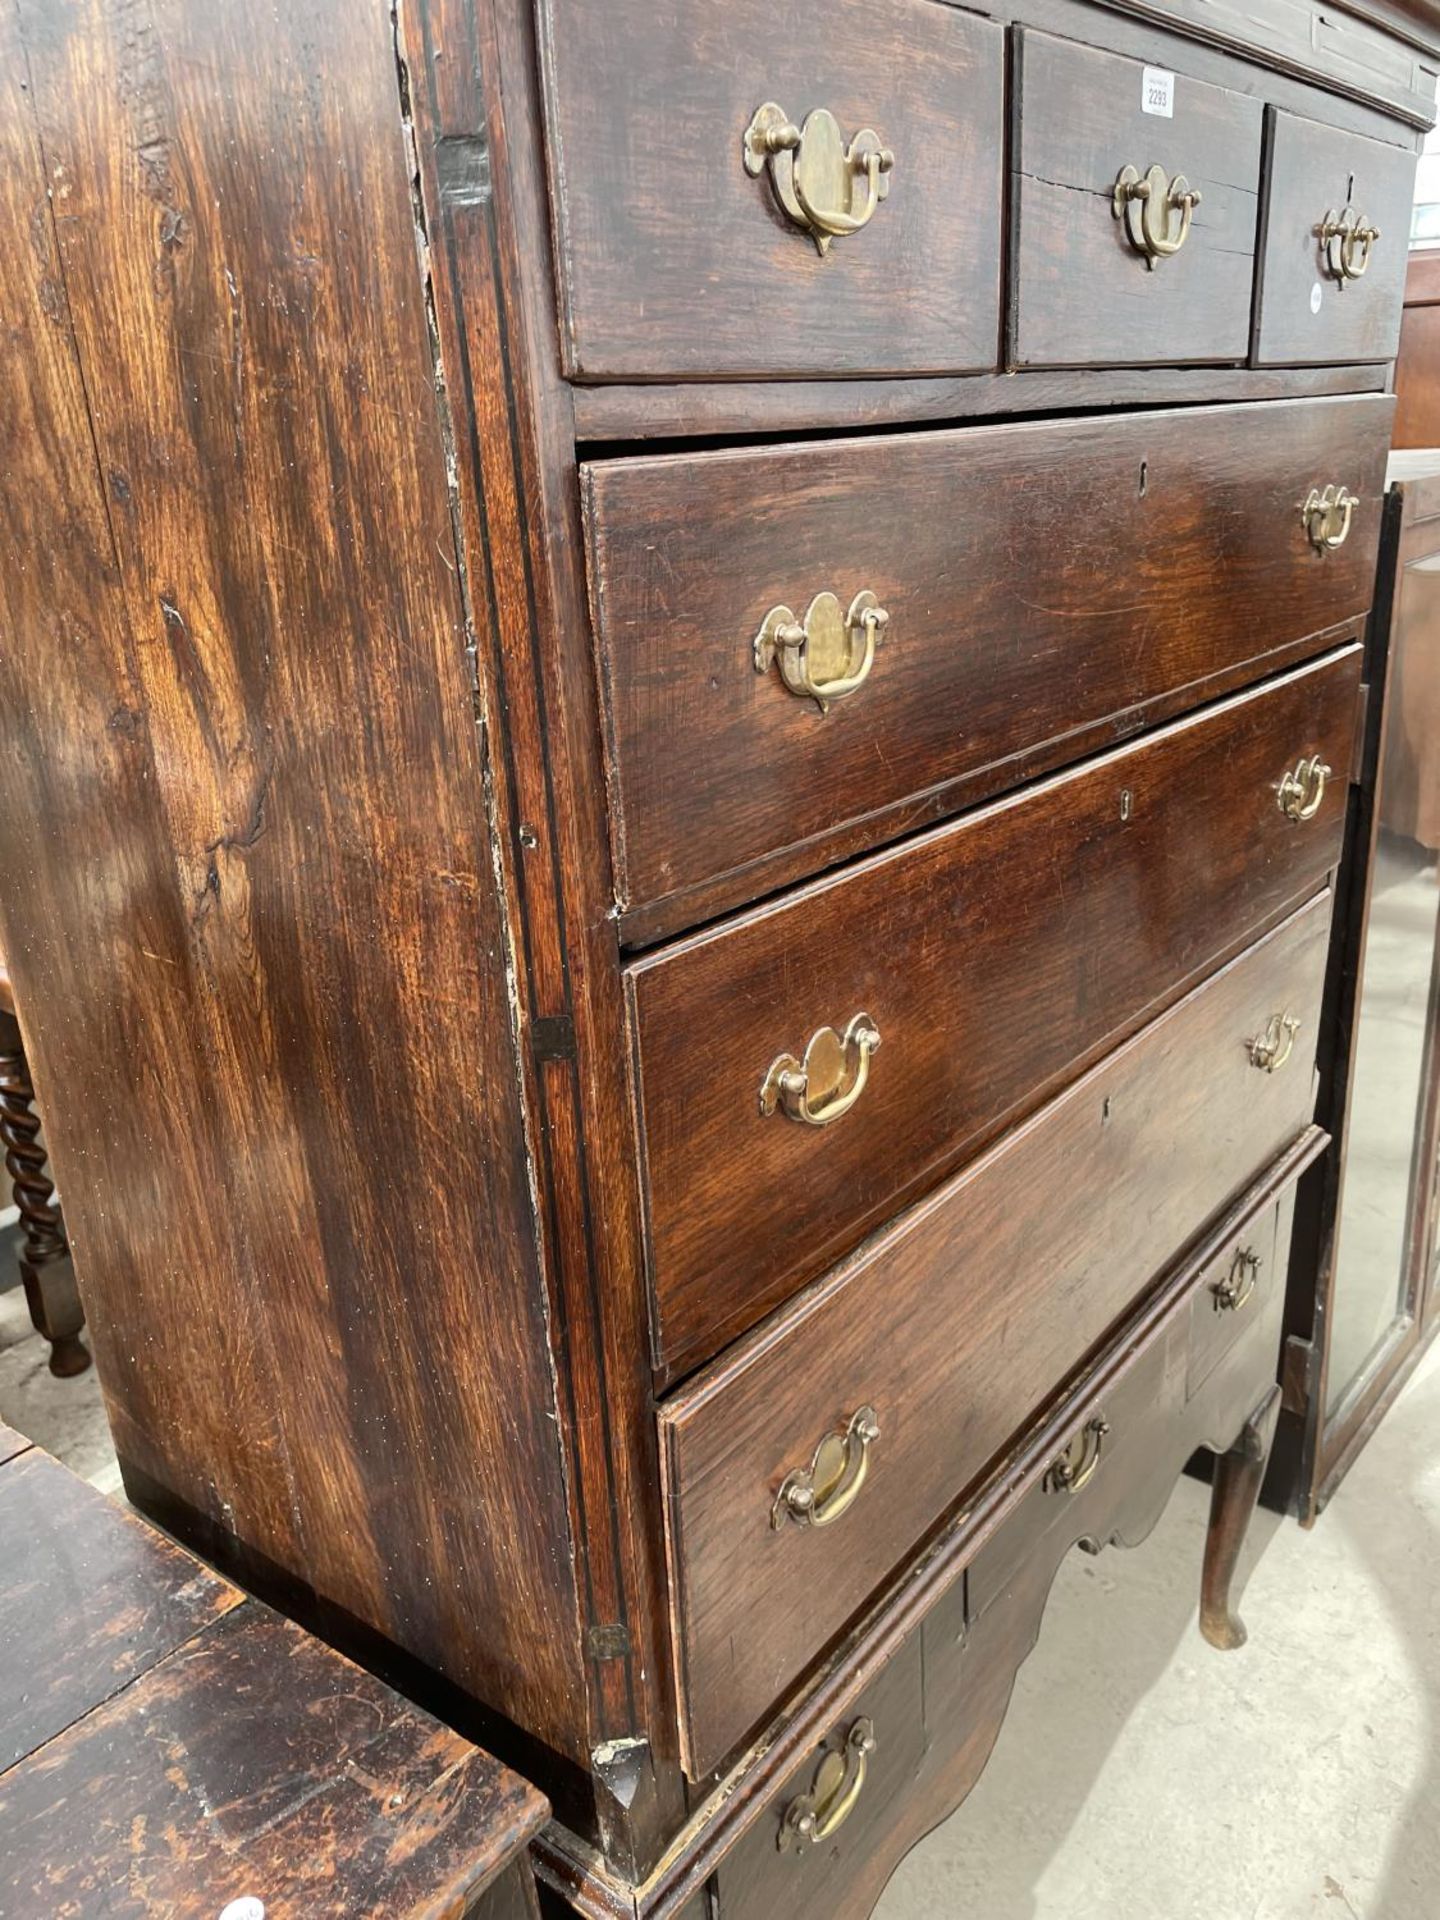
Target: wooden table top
170 1746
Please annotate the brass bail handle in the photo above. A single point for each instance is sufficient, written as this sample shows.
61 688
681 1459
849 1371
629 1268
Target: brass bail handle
1148 205
1235 1290
1271 1049
823 1087
825 186
827 655
1347 240
813 1817
1301 793
1326 513
823 1492
1077 1466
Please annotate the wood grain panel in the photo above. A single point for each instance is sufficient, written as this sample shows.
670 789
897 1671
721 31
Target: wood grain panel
1082 294
1315 170
674 262
92 1599
1014 1271
256 1762
262 958
993 954
1047 584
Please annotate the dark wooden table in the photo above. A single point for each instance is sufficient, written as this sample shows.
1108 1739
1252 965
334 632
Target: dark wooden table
171 1747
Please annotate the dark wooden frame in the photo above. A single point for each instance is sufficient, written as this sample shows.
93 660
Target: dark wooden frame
1316 1449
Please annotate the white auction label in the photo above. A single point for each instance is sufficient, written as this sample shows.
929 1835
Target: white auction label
1157 92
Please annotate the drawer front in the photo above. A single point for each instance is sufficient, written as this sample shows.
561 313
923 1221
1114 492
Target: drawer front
677 260
1326 292
952 1327
1089 287
844 1796
1046 584
1174 1396
1241 1289
990 956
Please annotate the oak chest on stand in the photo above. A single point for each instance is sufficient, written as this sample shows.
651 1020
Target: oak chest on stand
722 662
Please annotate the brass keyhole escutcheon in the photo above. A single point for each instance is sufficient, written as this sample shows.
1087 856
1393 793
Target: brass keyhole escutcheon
1235 1290
1347 240
1271 1049
1326 513
1077 1466
827 655
824 1086
1301 793
825 186
812 1817
818 1495
1156 211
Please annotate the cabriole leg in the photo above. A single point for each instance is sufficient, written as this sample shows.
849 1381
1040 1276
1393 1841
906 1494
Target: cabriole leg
1236 1488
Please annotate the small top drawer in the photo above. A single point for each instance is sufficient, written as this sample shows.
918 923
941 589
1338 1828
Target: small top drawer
1337 228
1135 198
855 230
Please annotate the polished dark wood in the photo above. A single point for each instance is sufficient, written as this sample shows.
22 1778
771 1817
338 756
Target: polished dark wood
1236 1489
46 1269
326 533
927 940
674 262
168 1746
1013 1294
236 689
1081 294
1302 312
1165 559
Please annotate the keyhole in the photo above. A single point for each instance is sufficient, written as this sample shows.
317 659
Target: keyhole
1144 477
1105 1113
1127 803
1350 188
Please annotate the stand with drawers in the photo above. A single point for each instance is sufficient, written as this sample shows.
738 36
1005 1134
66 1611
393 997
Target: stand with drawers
695 703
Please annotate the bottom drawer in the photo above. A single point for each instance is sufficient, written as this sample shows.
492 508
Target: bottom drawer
834 1814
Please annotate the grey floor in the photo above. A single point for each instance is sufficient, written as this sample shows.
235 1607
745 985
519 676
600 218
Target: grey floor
1140 1775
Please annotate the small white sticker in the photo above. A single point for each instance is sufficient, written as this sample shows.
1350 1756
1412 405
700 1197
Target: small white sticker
247 1907
1317 294
1157 92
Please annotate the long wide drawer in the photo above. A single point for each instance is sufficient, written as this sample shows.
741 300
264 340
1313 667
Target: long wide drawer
885 1394
1049 587
989 956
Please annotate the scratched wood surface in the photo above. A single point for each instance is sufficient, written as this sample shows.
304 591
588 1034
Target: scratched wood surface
167 1746
248 894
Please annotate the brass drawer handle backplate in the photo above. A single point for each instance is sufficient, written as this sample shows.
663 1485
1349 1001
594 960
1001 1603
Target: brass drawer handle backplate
1347 239
1234 1291
1326 513
827 188
812 1817
1299 794
817 1495
1271 1049
823 1087
1147 204
1077 1466
829 653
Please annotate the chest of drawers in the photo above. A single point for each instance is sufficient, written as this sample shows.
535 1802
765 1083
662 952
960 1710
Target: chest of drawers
693 728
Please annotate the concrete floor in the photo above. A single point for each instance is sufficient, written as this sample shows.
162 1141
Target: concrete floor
1140 1775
